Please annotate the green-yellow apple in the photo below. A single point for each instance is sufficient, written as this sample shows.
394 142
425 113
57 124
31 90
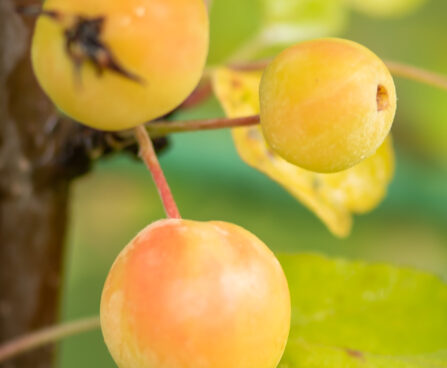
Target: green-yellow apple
326 104
187 294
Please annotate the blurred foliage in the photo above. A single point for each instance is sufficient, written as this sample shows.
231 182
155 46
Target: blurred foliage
210 181
232 24
386 8
261 28
351 314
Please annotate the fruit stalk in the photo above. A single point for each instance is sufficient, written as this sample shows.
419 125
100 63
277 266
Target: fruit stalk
396 68
46 336
417 74
161 128
148 155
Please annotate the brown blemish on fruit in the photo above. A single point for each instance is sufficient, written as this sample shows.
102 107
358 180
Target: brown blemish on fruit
236 83
382 98
355 354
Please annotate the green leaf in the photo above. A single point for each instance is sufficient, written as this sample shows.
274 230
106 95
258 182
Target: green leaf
351 314
301 354
292 20
246 29
286 22
386 8
232 24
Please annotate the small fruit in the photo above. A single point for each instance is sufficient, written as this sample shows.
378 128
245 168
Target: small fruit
115 64
186 294
326 104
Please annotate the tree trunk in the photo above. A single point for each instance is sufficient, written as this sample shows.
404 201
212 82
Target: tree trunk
33 194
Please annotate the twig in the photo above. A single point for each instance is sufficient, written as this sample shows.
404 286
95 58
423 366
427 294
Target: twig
251 66
397 68
159 128
417 74
46 336
148 155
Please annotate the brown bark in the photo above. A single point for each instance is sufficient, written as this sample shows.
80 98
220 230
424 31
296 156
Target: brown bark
33 194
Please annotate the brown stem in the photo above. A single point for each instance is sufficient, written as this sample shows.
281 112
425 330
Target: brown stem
251 66
417 74
199 95
159 128
148 155
46 336
397 68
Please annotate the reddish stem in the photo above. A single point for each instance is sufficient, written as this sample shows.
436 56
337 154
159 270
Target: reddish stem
251 66
46 336
396 68
158 128
148 155
200 94
417 74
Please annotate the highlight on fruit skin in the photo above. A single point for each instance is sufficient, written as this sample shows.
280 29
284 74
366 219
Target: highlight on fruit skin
326 104
115 64
187 294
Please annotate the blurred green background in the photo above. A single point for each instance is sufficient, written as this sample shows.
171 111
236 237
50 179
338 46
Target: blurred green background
209 181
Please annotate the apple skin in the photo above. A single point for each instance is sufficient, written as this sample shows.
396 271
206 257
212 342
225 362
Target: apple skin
162 42
187 294
326 104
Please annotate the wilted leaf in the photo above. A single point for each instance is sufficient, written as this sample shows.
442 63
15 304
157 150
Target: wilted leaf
351 314
332 197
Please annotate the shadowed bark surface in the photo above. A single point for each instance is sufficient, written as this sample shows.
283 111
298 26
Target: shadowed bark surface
33 193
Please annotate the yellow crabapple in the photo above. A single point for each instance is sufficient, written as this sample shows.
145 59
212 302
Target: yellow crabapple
188 294
115 64
326 104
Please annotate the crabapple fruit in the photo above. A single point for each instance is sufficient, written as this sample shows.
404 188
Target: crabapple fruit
115 64
187 294
326 104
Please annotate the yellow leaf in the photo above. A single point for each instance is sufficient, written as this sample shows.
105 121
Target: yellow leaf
332 197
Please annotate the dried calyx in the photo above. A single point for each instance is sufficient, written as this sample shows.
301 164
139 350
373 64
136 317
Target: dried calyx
83 41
